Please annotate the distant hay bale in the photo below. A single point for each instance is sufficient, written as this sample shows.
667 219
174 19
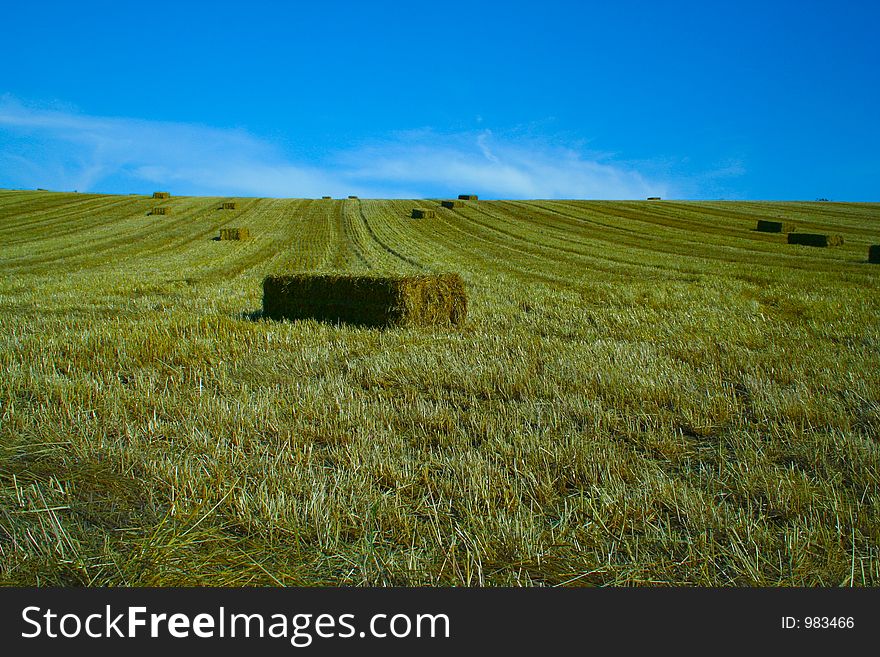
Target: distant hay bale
234 234
654 198
161 194
326 198
377 301
227 205
467 197
422 214
160 210
352 197
765 226
450 204
874 254
814 239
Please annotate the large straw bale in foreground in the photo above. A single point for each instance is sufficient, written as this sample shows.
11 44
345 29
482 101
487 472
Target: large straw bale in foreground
379 301
874 254
234 233
161 210
227 205
814 239
765 226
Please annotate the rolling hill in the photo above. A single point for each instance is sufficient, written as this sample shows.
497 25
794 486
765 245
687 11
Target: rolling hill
645 392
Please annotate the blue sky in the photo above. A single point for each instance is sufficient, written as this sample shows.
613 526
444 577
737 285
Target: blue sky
550 99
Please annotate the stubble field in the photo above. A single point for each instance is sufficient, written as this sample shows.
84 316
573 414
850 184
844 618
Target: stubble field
643 393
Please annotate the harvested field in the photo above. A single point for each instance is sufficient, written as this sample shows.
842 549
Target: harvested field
641 394
815 239
378 301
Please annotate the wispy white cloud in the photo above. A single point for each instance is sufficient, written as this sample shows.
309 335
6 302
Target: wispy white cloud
483 143
498 167
61 149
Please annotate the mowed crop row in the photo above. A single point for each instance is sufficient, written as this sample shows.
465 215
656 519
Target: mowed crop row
643 392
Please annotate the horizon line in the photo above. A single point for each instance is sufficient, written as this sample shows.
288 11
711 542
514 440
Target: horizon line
436 198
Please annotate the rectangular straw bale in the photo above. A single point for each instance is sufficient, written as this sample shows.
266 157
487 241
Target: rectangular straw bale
234 233
377 301
161 194
161 210
450 204
467 197
352 197
422 214
814 239
654 198
874 254
326 198
227 205
765 226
